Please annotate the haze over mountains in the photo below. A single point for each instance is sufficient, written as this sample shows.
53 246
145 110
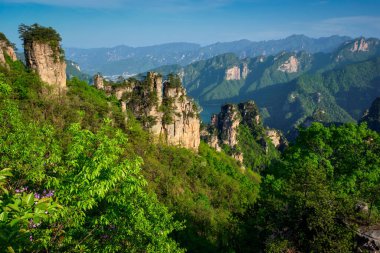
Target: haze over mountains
289 86
133 60
293 80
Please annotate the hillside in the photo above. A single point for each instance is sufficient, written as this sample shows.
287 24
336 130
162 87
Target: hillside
132 60
347 78
106 168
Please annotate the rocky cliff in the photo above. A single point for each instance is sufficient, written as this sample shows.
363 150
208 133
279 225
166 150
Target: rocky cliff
290 66
237 73
224 129
99 82
6 50
372 116
163 108
44 55
47 62
360 46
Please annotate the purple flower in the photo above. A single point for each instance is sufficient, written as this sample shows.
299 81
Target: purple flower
31 238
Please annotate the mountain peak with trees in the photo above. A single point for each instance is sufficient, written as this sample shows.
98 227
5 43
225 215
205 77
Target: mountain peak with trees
82 172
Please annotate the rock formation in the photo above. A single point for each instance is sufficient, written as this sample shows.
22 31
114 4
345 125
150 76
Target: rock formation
47 62
184 127
233 73
245 71
163 108
224 129
99 82
372 116
44 55
360 46
6 50
289 66
236 73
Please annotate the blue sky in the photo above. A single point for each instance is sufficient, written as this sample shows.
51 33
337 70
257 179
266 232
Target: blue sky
99 23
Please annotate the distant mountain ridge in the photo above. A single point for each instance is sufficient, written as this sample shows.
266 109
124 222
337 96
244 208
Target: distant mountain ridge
289 86
132 60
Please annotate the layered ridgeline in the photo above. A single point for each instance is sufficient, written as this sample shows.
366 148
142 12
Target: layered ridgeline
130 60
289 87
89 170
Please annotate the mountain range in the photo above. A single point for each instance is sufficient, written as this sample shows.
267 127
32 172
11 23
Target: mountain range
132 60
289 86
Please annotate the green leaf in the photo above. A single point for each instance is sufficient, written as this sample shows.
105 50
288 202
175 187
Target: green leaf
14 207
28 199
3 216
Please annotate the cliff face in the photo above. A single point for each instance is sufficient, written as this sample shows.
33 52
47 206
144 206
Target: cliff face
237 73
184 127
162 107
290 66
372 116
360 46
6 50
99 82
47 63
233 73
224 128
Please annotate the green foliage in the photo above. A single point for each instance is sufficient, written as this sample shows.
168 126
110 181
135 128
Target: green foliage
174 81
309 198
38 33
5 39
256 157
21 215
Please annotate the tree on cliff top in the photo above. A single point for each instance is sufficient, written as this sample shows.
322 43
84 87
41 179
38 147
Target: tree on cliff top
39 33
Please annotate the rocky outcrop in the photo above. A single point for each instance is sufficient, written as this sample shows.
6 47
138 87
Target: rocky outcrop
245 71
233 73
237 73
6 50
369 239
223 129
228 124
47 62
274 136
360 46
98 82
290 65
183 128
372 116
163 108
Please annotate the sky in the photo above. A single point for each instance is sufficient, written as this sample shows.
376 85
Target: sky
107 23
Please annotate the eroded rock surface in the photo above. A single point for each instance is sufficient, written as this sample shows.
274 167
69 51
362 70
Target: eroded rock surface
6 49
163 108
290 65
47 62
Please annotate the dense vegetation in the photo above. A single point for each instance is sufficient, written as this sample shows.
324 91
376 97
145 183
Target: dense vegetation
103 184
346 79
78 175
38 33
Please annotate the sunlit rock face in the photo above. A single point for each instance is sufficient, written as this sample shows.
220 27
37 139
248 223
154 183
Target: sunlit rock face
47 63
